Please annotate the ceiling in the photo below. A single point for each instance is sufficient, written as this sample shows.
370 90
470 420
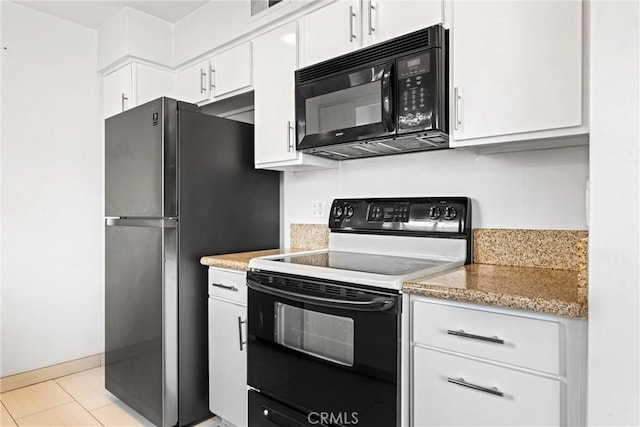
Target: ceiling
93 14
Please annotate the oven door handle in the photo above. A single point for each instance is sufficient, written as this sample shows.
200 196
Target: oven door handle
374 304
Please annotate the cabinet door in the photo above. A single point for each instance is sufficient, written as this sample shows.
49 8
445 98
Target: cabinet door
228 361
450 390
512 75
386 19
193 83
274 60
329 32
231 70
152 83
117 91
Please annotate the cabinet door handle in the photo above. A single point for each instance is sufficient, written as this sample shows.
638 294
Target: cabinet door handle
371 7
456 108
289 129
242 342
351 16
203 76
228 287
212 77
464 334
123 100
463 383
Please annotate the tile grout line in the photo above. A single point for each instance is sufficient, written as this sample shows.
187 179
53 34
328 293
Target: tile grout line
53 407
75 400
7 411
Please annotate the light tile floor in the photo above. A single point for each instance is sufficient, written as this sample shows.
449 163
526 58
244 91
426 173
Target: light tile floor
75 400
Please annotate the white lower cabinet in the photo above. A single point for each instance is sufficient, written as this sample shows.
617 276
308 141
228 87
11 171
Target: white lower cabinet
227 345
452 390
475 365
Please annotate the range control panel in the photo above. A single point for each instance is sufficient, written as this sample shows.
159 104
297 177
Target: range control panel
406 216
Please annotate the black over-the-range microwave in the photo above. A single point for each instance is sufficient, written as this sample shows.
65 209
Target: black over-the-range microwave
388 98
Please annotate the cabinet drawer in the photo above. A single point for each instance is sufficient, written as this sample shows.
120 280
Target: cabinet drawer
228 284
527 342
527 399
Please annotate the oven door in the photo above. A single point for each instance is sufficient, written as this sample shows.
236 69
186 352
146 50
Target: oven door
330 350
348 107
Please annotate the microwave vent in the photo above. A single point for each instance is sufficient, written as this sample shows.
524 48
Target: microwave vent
406 144
419 40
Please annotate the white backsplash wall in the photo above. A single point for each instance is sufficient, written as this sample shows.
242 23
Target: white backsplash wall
542 189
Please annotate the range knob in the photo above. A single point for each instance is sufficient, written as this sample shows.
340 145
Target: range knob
337 211
449 212
434 212
348 212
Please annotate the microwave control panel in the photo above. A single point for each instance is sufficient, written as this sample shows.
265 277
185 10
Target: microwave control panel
414 92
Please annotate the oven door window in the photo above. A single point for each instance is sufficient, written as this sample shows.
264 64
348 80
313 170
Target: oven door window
322 335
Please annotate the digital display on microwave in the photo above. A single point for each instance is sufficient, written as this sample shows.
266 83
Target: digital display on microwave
414 65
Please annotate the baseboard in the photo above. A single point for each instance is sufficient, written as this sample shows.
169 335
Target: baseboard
24 379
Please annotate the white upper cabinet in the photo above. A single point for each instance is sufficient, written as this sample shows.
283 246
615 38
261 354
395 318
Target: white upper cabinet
134 84
516 71
152 83
274 62
117 91
228 73
386 19
329 32
231 70
346 25
193 83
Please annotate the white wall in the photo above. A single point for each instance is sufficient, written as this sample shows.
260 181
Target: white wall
52 192
534 189
614 279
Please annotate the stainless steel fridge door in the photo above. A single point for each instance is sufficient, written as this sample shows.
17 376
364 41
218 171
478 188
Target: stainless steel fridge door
141 316
140 161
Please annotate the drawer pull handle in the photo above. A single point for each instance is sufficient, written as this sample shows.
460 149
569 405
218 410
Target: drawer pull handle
228 287
462 333
463 383
242 342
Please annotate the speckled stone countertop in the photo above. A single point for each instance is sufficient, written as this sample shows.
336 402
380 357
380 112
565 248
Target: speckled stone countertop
523 288
544 271
238 261
304 237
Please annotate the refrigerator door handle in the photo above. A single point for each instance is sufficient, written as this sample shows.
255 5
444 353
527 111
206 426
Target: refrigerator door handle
128 222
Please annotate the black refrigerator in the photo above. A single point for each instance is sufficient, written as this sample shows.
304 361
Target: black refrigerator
179 184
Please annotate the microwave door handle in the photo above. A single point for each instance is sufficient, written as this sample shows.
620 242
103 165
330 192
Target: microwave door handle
374 304
387 97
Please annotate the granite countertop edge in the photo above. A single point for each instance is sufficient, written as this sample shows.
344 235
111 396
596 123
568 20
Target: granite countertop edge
572 309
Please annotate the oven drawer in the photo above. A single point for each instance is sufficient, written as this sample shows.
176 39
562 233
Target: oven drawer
228 284
265 412
520 341
451 390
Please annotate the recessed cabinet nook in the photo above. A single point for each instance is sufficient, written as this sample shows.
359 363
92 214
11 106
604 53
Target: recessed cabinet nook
213 79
